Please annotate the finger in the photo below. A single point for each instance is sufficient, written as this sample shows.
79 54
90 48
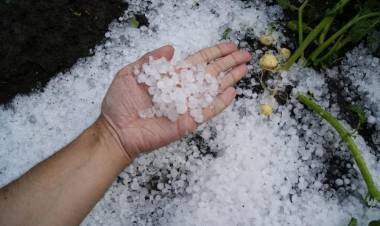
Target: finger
164 51
232 77
219 104
212 53
228 62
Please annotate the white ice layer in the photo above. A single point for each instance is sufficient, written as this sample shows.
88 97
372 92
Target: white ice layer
176 90
266 172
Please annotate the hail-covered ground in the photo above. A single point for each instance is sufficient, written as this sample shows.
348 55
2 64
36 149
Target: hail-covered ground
240 168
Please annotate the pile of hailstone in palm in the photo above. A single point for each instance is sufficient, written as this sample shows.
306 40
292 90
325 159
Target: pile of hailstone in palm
177 89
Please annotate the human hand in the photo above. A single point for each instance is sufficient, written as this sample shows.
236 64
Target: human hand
125 98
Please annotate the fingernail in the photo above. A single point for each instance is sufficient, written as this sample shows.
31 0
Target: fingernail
247 55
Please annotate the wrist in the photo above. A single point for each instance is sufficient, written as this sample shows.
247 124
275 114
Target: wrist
110 141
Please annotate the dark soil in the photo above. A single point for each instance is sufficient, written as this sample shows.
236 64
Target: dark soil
39 38
337 168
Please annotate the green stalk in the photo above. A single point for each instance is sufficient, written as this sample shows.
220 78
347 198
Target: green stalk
324 33
293 26
340 44
293 8
349 24
310 38
337 8
347 138
300 22
314 33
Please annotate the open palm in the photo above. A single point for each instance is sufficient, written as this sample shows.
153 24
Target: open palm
126 98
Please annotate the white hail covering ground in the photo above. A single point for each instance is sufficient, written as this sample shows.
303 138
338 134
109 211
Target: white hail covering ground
268 171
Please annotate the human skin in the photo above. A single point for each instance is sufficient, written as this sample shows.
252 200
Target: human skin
62 189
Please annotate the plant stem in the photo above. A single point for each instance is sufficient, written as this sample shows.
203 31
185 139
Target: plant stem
300 24
312 35
324 45
340 44
337 7
347 138
289 6
293 26
324 32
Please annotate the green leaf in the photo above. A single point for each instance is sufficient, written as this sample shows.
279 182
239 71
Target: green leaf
374 223
353 222
360 30
226 33
134 22
360 113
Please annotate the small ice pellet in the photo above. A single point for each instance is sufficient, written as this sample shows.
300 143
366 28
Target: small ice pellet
160 186
339 182
181 108
175 91
371 120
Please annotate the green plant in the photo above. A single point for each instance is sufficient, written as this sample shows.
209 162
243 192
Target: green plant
347 137
323 44
300 24
374 223
327 47
353 222
352 31
226 33
134 22
362 117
